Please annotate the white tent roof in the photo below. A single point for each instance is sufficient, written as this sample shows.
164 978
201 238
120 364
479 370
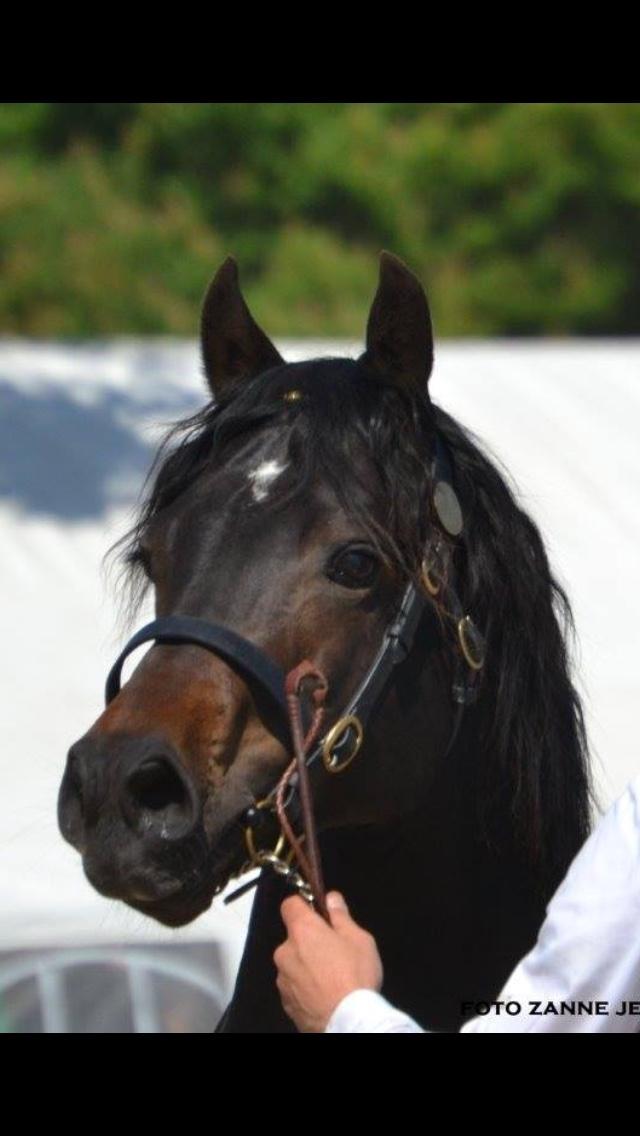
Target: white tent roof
77 428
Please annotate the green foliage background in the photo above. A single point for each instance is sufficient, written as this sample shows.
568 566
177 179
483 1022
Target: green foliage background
522 219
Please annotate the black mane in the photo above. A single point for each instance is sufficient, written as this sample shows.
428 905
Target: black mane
530 746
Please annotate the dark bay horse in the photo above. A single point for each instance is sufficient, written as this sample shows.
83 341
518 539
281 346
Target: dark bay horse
295 510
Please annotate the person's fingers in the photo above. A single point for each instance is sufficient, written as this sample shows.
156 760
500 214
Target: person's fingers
336 901
281 955
338 910
295 910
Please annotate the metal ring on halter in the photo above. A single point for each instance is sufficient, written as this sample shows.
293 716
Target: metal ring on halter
431 583
471 643
337 734
256 855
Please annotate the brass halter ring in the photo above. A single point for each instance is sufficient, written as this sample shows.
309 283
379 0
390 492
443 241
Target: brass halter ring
431 583
332 763
257 855
472 647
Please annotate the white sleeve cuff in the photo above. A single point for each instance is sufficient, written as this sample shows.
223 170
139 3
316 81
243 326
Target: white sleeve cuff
364 1011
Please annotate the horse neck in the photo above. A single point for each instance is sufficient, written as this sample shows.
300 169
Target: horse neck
452 911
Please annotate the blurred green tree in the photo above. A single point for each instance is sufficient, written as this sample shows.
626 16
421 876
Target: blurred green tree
521 218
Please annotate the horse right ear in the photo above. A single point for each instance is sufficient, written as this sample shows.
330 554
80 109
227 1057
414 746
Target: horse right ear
234 348
399 335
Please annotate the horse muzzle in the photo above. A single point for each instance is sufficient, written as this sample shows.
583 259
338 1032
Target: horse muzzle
136 815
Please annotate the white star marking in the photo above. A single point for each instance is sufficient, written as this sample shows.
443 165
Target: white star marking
262 476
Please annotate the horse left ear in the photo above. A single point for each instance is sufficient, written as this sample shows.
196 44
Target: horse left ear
233 346
399 335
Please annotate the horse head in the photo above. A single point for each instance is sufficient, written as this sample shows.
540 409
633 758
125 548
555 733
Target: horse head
293 512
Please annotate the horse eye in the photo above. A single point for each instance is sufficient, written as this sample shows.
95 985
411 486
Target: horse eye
353 568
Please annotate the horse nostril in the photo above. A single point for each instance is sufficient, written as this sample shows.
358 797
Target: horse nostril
156 785
157 798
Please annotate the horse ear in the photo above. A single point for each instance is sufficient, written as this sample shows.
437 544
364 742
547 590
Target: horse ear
399 336
233 346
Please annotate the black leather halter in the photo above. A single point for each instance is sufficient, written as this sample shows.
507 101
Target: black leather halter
266 679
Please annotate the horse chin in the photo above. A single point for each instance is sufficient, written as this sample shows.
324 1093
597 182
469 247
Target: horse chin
151 888
183 905
176 910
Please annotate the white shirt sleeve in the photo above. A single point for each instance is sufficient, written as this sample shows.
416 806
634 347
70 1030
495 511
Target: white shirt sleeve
583 974
364 1011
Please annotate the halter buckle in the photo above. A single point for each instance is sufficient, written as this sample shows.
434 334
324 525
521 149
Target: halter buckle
338 735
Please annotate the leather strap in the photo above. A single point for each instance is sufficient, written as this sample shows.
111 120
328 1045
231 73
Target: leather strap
265 678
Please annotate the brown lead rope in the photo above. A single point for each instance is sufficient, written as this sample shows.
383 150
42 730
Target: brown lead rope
309 858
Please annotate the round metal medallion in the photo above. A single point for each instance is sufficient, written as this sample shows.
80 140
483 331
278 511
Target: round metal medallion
447 507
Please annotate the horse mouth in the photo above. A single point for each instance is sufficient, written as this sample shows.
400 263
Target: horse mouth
173 881
175 910
185 903
175 902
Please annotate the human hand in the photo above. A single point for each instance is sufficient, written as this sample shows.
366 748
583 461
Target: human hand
319 965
